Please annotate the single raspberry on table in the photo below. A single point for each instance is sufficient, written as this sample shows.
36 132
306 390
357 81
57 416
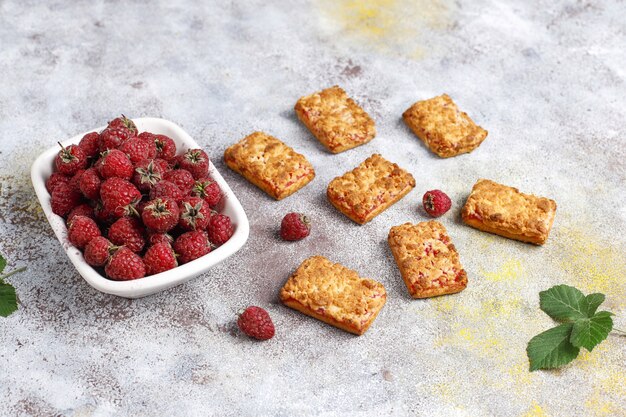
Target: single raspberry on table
129 232
98 251
159 258
295 226
147 174
81 230
64 199
119 197
191 245
55 179
90 183
70 159
81 210
208 190
194 214
167 189
161 214
137 149
256 323
436 203
115 163
219 229
182 178
112 138
125 265
124 122
166 147
195 161
90 144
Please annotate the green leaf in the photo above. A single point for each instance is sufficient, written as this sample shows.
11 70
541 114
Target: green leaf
564 303
589 332
3 263
8 300
594 300
552 348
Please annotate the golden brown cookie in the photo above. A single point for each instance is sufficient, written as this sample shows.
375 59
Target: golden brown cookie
427 259
334 294
269 164
445 129
335 119
369 189
496 208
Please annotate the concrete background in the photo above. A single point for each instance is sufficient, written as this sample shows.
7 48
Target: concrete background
547 79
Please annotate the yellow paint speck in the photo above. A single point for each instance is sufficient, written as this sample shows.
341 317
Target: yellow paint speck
535 411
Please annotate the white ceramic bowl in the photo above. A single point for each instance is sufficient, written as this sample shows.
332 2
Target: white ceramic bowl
43 167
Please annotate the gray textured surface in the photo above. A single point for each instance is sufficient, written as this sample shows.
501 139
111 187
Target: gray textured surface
547 79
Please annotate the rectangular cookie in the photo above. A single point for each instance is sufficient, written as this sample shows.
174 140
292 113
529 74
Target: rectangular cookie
369 189
269 164
496 208
334 294
335 119
427 259
442 127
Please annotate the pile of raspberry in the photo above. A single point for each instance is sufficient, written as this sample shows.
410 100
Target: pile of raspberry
132 205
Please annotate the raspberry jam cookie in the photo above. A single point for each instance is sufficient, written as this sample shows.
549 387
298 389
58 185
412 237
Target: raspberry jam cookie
335 119
334 294
269 164
427 259
369 189
445 129
496 208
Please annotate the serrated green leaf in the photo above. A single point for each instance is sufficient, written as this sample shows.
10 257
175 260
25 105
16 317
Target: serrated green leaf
8 300
594 300
552 348
563 302
589 332
3 263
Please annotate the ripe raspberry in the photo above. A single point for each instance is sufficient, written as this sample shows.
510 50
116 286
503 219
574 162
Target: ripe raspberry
129 232
147 174
166 147
191 245
166 189
119 197
195 161
436 203
75 180
90 183
161 214
115 163
154 238
81 210
81 230
194 214
182 178
90 144
295 226
159 258
219 229
103 215
98 251
149 139
208 190
125 265
55 179
112 138
124 123
136 149
70 159
256 323
64 199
